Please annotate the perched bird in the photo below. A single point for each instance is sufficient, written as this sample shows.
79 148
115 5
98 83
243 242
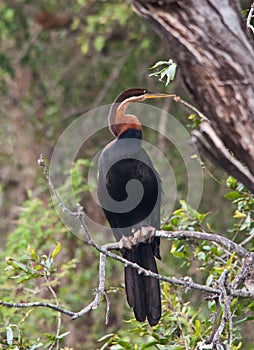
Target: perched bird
129 191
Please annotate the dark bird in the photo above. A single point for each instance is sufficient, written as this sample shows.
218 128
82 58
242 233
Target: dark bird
129 191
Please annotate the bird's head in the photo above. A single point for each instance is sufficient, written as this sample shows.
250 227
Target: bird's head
118 120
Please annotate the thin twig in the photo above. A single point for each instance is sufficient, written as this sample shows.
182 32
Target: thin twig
59 321
188 105
247 240
37 304
215 322
108 307
41 163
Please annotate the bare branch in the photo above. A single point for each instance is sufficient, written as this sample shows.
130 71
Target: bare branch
223 301
37 304
190 106
226 316
221 240
100 291
41 163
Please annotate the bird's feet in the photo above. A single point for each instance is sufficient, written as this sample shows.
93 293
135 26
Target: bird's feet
143 235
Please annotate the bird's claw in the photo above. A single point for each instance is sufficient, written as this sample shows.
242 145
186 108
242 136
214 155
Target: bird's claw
143 235
127 242
146 234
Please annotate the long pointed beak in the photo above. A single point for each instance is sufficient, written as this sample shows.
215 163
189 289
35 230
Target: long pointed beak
158 95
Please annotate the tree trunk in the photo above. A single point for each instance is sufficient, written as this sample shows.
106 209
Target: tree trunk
210 43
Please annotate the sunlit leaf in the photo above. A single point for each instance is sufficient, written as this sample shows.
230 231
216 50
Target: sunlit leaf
232 195
56 250
239 215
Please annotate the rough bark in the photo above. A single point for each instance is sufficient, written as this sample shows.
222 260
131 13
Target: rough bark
210 43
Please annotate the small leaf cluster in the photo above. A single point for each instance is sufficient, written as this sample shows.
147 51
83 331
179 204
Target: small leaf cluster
34 266
168 71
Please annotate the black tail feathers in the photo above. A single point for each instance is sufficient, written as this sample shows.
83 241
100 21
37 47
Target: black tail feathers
143 293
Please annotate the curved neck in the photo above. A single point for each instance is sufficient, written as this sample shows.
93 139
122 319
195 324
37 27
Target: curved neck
117 111
119 122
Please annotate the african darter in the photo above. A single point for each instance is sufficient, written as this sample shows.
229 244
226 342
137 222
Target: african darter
129 191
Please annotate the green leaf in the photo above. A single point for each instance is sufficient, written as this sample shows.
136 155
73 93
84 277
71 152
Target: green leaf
56 250
219 269
25 317
231 182
34 255
232 195
198 327
149 345
245 319
99 42
84 47
22 267
9 14
52 337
